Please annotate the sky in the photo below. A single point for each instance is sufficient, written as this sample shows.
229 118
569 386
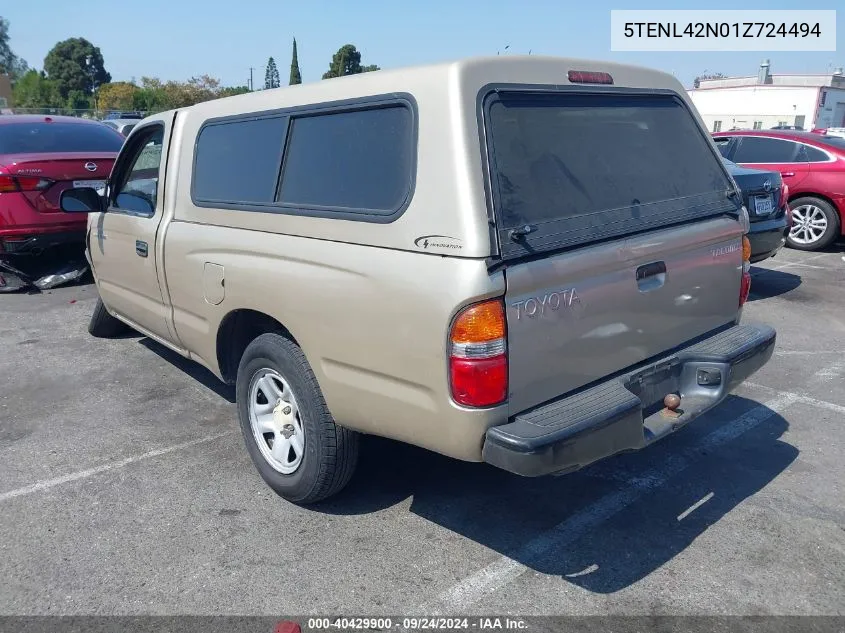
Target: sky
178 39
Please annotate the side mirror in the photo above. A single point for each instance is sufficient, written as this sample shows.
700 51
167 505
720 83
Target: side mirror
81 200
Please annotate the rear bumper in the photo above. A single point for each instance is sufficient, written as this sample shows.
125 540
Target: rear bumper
36 243
767 237
626 413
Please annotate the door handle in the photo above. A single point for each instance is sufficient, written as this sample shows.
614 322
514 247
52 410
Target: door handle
650 270
787 174
651 276
141 248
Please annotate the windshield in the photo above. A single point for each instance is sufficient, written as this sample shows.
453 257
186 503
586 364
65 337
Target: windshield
55 137
598 159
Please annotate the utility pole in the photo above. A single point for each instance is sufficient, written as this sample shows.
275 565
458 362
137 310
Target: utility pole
250 78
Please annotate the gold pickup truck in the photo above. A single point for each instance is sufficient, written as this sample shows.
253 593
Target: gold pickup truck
533 262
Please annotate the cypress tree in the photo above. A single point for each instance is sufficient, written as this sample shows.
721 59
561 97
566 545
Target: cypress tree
295 76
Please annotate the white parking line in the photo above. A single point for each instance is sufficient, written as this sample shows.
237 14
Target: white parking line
505 569
801 265
797 397
793 352
802 262
695 506
82 474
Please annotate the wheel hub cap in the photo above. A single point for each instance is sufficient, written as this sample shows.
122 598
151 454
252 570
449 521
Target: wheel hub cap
275 420
809 224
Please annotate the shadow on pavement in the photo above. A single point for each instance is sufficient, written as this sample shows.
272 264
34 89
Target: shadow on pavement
633 527
602 528
766 283
193 369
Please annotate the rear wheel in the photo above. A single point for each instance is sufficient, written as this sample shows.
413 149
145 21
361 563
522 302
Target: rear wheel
815 224
104 325
289 433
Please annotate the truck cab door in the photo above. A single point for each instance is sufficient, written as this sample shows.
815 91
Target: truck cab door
122 241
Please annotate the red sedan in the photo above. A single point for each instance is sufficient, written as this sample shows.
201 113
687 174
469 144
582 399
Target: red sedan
812 166
41 156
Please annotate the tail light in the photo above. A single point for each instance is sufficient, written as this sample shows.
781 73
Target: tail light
745 285
10 184
478 360
588 77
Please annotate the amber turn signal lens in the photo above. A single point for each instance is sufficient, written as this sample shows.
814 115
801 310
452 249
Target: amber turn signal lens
480 323
746 249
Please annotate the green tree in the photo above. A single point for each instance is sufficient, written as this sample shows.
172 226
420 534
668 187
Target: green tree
10 63
150 96
76 64
295 75
346 61
119 95
697 81
34 90
78 100
154 95
271 75
231 91
369 69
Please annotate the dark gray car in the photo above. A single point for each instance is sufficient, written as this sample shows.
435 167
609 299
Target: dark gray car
764 196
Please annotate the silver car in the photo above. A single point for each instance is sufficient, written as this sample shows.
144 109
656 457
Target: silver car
124 126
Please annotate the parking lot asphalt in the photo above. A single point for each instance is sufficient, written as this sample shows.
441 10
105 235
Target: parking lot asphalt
125 489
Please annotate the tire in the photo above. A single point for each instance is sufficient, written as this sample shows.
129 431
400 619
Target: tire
328 453
104 325
818 210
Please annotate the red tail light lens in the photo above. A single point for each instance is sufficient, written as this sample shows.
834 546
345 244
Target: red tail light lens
478 361
745 288
9 184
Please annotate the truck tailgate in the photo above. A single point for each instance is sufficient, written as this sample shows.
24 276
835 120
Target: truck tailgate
577 317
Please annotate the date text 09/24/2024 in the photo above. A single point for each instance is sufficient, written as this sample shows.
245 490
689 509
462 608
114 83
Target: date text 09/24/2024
418 624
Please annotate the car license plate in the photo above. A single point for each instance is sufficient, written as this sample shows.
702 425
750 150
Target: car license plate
94 184
763 205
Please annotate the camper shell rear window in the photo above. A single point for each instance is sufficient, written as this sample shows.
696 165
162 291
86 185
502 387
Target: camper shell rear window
569 168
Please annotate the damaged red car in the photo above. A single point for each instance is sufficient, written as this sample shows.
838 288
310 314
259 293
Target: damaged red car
41 156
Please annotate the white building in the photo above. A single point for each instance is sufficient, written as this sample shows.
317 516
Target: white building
764 101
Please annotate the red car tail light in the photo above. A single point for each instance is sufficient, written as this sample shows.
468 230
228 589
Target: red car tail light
9 184
478 360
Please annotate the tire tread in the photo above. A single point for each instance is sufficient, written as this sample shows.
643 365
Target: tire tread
103 324
339 455
834 228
